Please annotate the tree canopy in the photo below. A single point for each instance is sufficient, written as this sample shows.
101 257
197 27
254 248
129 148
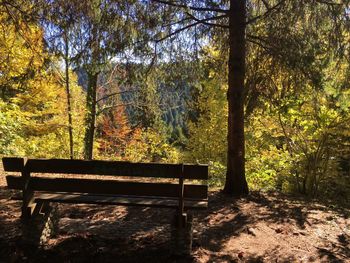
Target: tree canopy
258 89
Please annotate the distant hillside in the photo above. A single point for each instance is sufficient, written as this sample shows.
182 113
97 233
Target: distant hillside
174 93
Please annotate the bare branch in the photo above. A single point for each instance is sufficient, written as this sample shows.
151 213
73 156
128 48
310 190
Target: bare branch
177 22
177 31
194 8
203 21
200 21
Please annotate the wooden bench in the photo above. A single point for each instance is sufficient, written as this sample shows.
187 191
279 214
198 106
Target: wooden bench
39 191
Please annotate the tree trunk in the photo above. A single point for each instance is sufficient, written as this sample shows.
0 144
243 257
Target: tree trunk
90 116
92 72
236 183
69 107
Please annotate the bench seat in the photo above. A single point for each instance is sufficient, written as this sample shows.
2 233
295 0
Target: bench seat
147 201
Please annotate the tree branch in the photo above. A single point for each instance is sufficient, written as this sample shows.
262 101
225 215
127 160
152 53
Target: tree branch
113 94
194 8
266 4
257 41
269 11
200 21
176 32
329 2
203 21
112 106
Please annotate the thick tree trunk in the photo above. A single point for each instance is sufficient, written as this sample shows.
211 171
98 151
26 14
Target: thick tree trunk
69 107
236 183
90 116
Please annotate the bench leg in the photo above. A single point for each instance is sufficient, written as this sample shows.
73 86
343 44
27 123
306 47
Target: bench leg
181 236
42 225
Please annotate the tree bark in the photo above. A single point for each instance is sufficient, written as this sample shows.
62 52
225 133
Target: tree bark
69 107
92 72
90 116
236 183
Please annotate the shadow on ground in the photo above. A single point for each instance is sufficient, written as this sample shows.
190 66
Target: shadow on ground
118 234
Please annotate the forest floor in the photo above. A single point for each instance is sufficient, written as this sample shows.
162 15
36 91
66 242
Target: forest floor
264 227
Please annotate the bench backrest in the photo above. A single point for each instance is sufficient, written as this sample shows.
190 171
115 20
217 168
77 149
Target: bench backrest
116 168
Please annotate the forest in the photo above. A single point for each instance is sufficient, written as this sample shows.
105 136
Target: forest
250 96
164 81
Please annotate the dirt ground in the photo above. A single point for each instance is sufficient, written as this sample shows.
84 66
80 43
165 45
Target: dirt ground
260 228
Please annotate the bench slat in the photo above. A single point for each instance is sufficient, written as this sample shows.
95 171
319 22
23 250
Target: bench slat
196 171
67 166
13 164
118 200
94 186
